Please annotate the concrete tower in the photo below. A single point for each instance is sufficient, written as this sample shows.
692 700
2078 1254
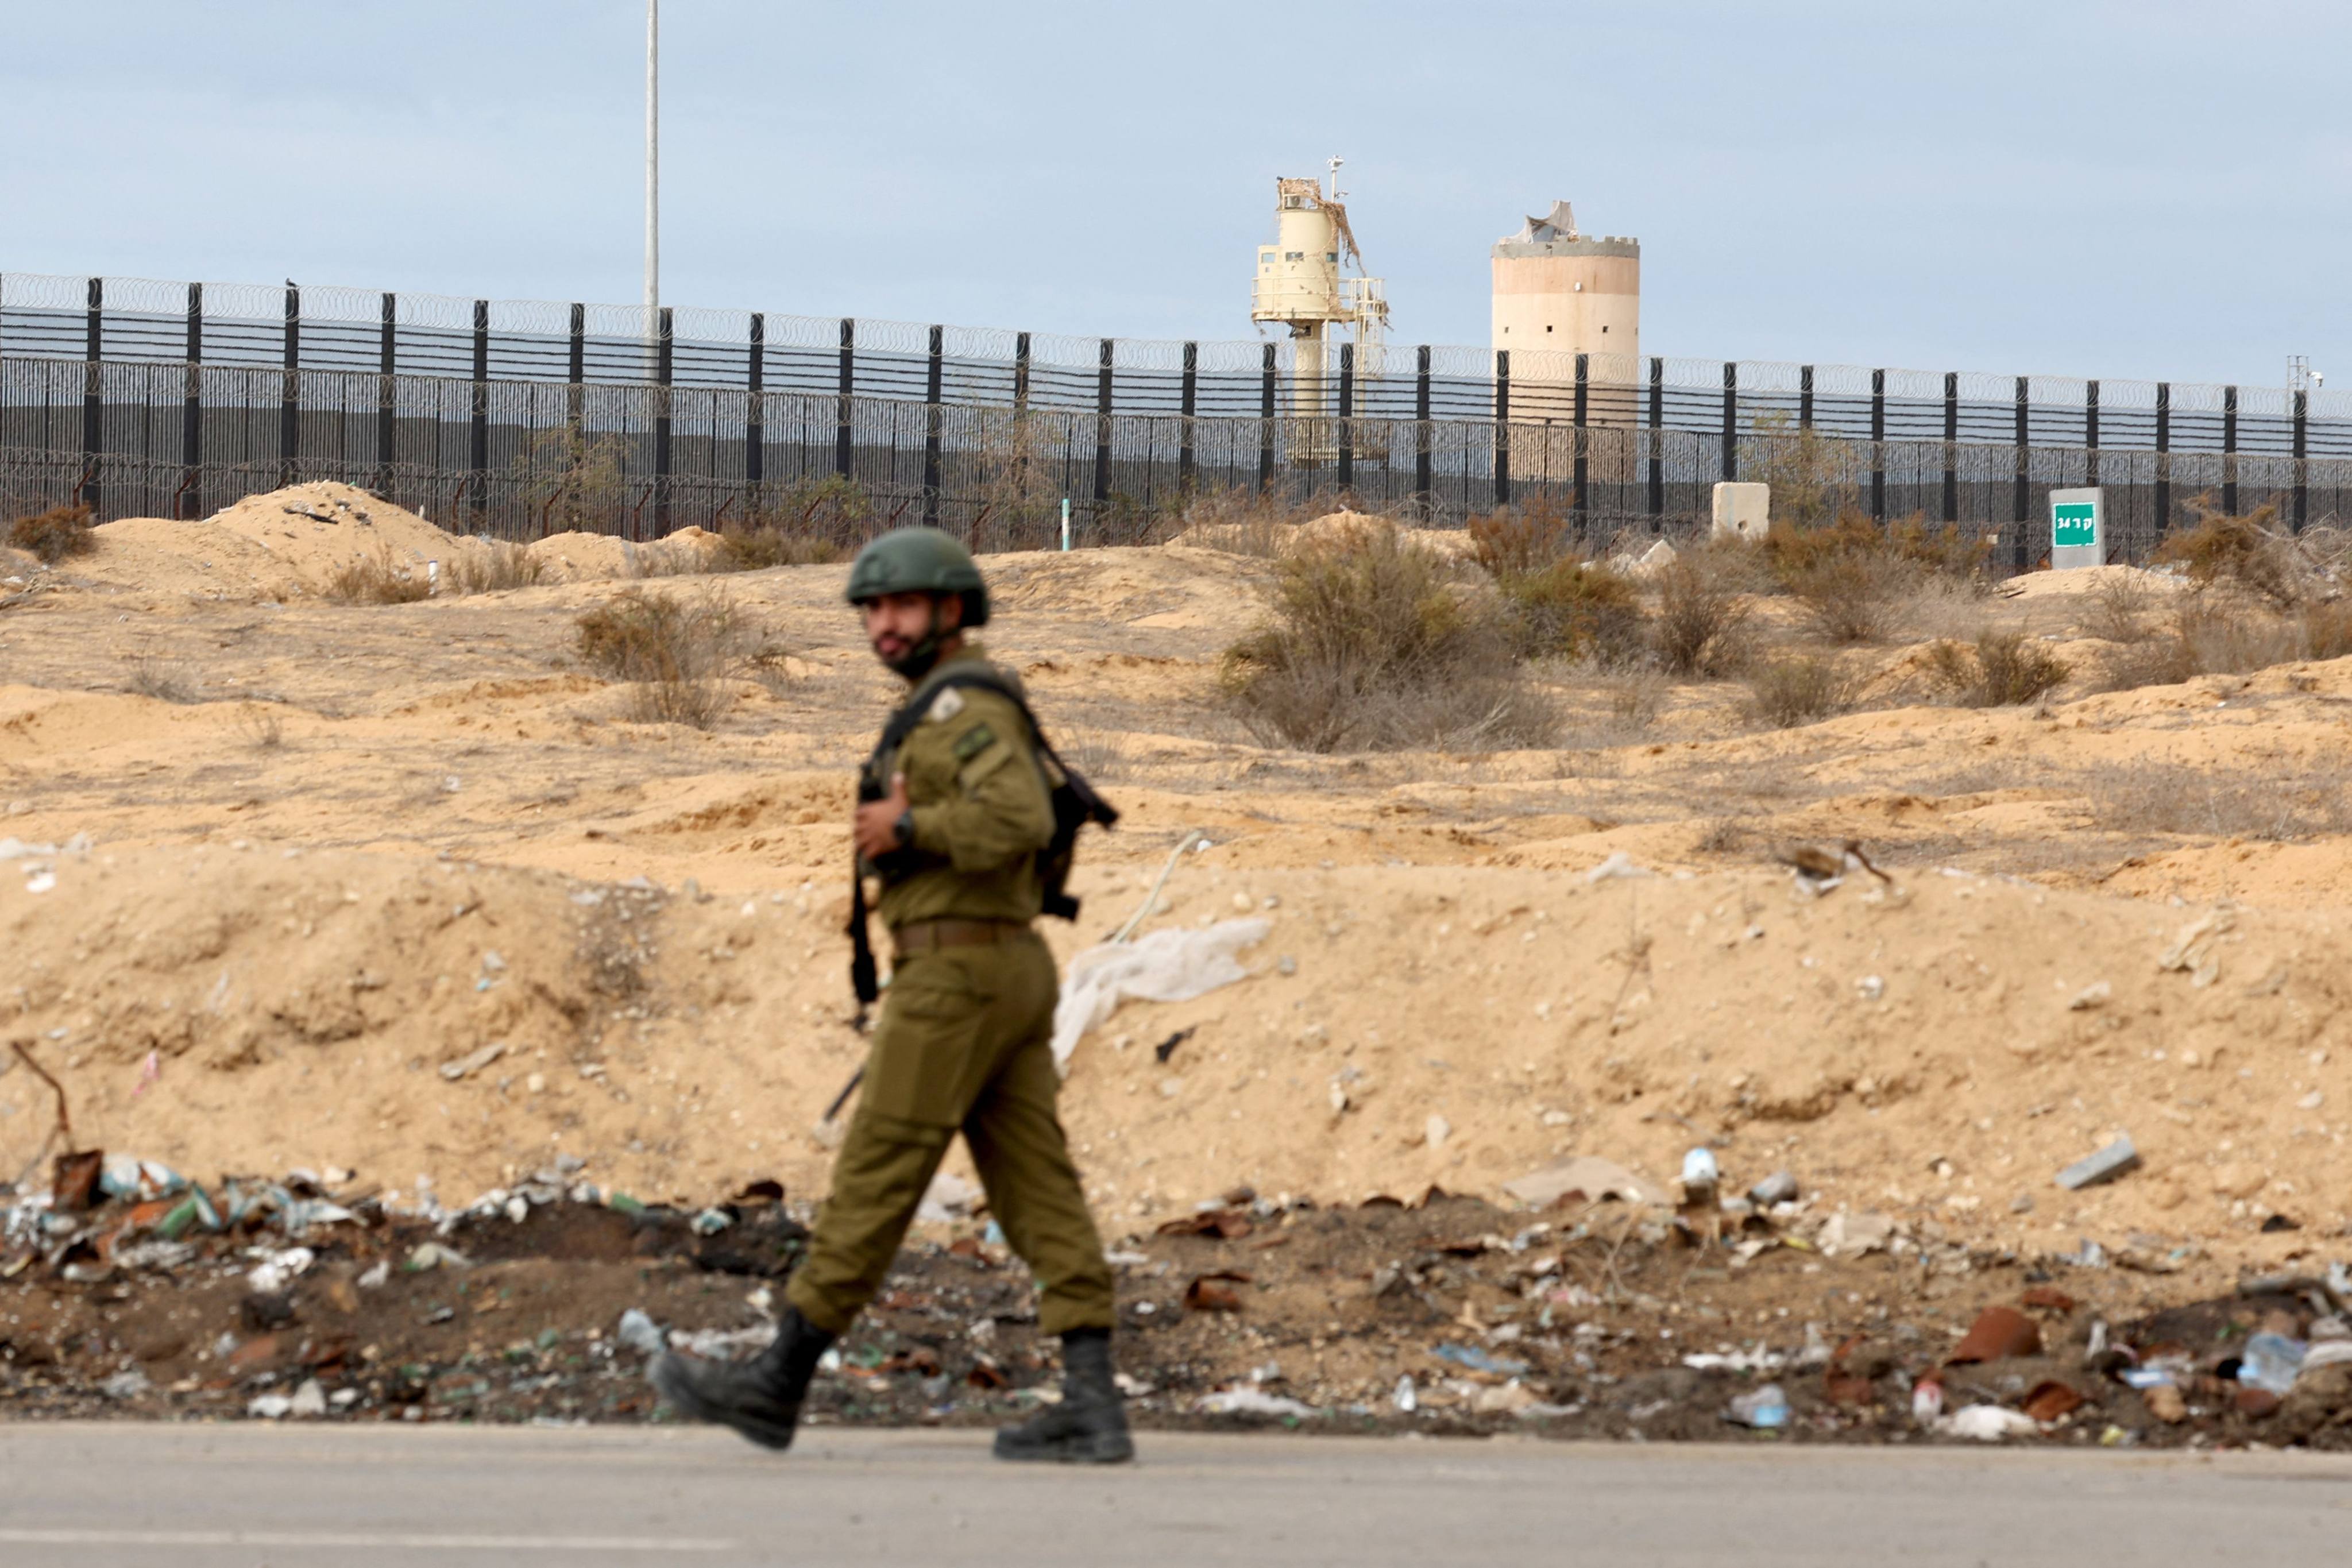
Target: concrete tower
1558 291
1300 284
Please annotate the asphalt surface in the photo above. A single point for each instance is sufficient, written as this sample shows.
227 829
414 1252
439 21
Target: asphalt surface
96 1496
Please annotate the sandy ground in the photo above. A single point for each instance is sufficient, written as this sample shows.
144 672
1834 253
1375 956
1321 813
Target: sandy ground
310 853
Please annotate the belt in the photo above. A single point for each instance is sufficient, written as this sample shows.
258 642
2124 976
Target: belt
929 936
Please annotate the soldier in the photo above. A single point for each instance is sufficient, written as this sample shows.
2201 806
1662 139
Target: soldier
955 834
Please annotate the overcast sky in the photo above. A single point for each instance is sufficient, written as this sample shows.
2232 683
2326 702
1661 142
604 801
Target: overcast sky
2145 189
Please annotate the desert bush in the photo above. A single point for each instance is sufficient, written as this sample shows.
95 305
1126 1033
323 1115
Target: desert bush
53 534
1369 646
2226 632
1522 540
1702 620
676 653
744 548
2326 629
260 727
813 523
2240 551
493 565
378 579
1851 574
1813 478
2119 610
2162 797
1636 695
1785 692
161 680
1573 609
1237 521
575 481
1999 669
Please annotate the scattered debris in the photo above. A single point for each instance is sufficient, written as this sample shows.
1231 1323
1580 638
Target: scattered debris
2114 1160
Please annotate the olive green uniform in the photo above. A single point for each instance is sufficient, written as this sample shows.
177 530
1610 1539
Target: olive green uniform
964 1040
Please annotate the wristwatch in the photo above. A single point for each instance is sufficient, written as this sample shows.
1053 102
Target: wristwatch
904 828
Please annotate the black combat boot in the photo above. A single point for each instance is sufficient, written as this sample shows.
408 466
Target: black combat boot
1089 1425
760 1398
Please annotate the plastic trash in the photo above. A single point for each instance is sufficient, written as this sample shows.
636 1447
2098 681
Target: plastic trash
1780 1188
1618 865
1478 1360
637 1331
1765 1408
1173 965
2271 1362
1406 1399
1988 1423
1251 1402
1700 1175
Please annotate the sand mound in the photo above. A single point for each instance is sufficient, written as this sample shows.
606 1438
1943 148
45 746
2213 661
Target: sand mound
587 557
1941 1050
286 544
2090 580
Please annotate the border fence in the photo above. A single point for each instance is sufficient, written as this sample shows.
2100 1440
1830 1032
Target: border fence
515 418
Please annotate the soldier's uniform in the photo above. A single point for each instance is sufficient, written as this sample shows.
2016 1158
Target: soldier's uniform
964 1043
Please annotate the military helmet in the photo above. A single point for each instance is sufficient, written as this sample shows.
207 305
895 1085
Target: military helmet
920 561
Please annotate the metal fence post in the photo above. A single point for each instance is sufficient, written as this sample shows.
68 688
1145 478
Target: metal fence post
92 407
1347 416
2302 469
1805 397
1583 407
844 450
1501 427
1266 420
2163 460
664 370
1951 445
2091 431
478 459
1730 419
290 390
192 410
1878 445
2230 450
1191 402
1102 422
2023 497
932 372
1021 371
755 409
1421 457
1657 441
575 372
387 389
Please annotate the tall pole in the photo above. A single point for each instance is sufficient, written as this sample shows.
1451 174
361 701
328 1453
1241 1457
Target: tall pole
652 165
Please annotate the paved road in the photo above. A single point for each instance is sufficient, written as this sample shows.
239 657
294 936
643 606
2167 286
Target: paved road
103 1496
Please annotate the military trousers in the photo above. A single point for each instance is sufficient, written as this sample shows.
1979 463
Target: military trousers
964 1044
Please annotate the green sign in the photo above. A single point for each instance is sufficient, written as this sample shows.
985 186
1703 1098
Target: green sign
2075 524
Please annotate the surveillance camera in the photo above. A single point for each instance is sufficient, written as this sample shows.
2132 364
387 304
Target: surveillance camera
2320 378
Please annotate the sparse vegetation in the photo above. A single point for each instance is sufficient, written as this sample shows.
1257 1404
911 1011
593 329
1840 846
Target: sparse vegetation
1999 669
1813 478
2245 553
1240 522
575 481
1702 613
163 680
1371 645
676 653
2119 610
812 524
2223 632
1523 540
260 727
2163 797
496 564
1573 609
378 579
1852 576
1798 690
55 534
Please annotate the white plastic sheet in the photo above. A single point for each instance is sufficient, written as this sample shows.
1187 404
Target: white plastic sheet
1173 965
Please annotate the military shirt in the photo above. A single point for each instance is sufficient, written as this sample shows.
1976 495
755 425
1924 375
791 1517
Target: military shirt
981 807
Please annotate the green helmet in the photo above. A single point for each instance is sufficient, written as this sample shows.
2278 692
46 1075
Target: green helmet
920 561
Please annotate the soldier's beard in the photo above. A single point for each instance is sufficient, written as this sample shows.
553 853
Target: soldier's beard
915 661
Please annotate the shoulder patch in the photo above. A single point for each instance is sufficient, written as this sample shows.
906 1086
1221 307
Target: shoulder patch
974 741
944 707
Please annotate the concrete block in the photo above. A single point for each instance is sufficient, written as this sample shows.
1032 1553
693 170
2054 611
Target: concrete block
1742 511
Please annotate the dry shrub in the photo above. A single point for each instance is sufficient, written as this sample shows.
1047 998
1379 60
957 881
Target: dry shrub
1522 540
2239 552
260 727
1724 835
1787 693
1238 522
494 565
1573 609
1371 646
1702 623
2162 797
1851 574
163 680
677 653
574 481
2119 610
1999 669
2225 632
755 549
813 523
1635 696
378 579
1812 477
53 534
